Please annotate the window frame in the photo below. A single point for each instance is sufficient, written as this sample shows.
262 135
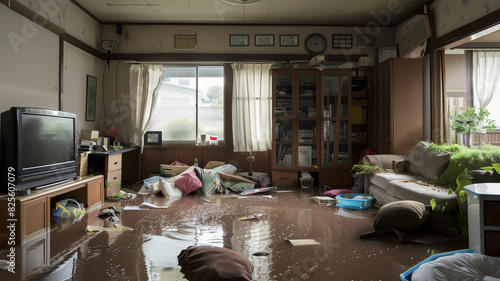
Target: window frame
227 91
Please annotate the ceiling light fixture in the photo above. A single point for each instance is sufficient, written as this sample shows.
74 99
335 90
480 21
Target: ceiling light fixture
243 2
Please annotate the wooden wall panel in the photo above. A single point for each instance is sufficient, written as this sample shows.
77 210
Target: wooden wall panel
492 138
152 157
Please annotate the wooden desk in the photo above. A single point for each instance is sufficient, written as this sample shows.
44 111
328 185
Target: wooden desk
31 215
117 166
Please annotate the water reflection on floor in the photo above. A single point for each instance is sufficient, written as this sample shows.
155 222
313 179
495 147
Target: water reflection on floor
149 251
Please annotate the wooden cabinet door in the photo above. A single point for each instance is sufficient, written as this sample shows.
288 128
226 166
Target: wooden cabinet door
35 217
95 193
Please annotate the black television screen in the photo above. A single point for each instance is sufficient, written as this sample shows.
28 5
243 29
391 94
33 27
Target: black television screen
46 140
38 147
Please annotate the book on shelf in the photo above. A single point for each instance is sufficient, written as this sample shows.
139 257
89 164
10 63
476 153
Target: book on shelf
358 136
356 114
329 111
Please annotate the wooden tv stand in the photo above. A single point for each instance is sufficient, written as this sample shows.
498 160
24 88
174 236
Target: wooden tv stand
31 215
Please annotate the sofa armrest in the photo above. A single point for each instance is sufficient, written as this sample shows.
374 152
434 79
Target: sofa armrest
383 160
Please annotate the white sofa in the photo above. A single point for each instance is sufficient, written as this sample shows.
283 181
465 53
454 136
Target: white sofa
416 185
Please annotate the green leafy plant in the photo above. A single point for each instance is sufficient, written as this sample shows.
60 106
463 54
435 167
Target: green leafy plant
467 122
494 166
463 221
464 179
364 168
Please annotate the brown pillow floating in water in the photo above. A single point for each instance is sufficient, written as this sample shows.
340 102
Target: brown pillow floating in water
207 263
403 215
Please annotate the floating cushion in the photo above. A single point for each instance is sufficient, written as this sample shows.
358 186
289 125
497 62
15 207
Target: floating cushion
226 169
213 164
188 181
238 186
210 181
427 162
403 215
207 263
169 189
334 192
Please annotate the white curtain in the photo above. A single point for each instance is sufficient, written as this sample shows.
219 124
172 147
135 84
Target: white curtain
252 106
486 70
145 83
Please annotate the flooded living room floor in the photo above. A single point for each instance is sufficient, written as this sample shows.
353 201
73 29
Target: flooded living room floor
147 248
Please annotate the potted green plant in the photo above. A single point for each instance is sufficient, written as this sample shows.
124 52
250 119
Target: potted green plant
468 122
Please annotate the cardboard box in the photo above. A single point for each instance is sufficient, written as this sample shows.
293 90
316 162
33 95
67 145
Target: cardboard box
82 164
103 141
89 135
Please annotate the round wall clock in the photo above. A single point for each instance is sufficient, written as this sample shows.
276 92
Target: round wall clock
315 44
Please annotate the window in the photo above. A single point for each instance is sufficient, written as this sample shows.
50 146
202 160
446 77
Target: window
486 84
190 103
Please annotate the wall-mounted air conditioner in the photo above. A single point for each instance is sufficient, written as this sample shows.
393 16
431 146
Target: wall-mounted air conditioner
413 38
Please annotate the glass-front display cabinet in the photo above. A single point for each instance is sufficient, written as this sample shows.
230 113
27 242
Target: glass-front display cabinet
336 124
312 120
284 116
295 118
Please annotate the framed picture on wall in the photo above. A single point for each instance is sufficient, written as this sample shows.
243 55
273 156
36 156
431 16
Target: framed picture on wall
264 40
238 40
386 52
91 98
342 41
152 138
289 40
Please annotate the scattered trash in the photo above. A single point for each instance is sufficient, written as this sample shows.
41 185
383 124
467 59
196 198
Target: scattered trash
122 195
4 265
260 254
171 229
151 205
303 242
108 214
69 208
206 200
101 228
261 196
134 208
324 199
257 190
127 195
250 217
285 191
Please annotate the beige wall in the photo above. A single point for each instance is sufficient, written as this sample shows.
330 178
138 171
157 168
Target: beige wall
215 39
452 14
29 61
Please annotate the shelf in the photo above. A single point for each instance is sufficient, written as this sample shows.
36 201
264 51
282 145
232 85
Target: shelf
315 142
356 95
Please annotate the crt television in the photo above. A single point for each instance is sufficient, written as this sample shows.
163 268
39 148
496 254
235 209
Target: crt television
38 148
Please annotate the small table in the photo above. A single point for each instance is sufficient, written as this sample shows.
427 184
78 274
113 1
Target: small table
260 179
484 226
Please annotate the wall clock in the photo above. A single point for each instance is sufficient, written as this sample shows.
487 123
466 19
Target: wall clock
315 44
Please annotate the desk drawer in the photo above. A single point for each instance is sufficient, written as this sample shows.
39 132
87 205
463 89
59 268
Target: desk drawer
113 162
113 178
285 178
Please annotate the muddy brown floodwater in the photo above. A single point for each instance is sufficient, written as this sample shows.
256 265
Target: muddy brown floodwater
149 250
